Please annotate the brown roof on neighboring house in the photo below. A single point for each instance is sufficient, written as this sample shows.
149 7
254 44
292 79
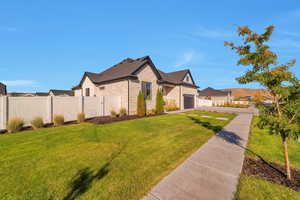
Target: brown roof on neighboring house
62 92
212 92
248 92
129 68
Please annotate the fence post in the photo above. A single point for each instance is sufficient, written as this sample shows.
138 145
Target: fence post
4 112
49 109
102 106
81 104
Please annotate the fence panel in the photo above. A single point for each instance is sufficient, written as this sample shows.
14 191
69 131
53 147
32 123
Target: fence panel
93 106
27 108
46 107
67 106
111 103
2 123
204 102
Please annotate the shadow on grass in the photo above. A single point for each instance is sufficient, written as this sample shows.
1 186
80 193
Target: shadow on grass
84 178
232 138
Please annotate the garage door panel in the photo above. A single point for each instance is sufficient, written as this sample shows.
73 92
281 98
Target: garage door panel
189 101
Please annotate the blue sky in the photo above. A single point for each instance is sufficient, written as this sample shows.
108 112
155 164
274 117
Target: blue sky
49 44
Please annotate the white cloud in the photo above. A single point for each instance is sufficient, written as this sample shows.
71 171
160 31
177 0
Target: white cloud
20 83
188 58
212 33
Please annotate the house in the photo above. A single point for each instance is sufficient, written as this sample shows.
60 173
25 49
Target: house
130 76
249 95
3 90
218 97
62 93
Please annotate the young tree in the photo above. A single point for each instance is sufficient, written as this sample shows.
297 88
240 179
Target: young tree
282 117
159 102
141 107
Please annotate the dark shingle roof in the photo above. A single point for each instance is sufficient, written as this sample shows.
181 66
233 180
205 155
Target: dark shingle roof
62 92
3 88
128 68
212 92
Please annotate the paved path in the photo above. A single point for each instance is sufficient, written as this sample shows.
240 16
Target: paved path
212 172
250 110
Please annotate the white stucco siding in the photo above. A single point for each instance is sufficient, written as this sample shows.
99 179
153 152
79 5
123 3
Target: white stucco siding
172 94
119 88
87 83
188 78
145 74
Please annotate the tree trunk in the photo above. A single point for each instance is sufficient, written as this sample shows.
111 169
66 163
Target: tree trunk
286 158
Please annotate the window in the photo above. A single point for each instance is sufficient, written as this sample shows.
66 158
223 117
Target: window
147 89
87 92
187 79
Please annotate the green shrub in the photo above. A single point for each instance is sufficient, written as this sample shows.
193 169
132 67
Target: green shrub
15 125
123 112
37 123
113 113
159 102
141 107
58 120
80 117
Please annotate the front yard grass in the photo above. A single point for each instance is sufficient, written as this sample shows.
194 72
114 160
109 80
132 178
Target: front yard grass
122 160
270 148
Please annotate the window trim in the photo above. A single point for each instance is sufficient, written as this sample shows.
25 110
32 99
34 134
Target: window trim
145 86
87 92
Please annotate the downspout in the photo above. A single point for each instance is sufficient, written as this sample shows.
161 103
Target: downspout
180 97
128 96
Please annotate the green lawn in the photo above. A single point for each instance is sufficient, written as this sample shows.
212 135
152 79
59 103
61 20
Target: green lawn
270 148
121 160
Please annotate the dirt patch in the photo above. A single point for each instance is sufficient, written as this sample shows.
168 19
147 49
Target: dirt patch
271 172
108 119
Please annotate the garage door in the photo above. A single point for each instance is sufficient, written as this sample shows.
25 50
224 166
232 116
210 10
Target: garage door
188 100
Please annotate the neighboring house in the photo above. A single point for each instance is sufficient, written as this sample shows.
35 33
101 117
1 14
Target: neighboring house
248 94
218 97
62 93
130 76
3 90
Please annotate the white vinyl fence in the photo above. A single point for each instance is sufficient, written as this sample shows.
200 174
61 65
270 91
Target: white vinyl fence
204 102
46 107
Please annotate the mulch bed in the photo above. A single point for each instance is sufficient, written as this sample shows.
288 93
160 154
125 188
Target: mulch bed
108 119
95 120
271 172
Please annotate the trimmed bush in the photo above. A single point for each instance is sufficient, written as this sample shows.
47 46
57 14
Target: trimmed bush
113 113
123 112
151 112
159 102
141 107
80 117
58 120
15 125
171 106
37 123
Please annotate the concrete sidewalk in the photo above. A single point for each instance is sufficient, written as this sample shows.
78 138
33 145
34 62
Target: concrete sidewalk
212 172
